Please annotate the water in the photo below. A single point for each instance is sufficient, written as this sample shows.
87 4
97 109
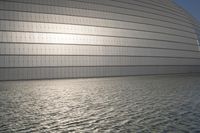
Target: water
127 104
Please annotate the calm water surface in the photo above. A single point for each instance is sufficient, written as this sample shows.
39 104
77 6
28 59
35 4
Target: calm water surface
127 104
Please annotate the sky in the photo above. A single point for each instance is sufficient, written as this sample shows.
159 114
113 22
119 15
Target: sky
192 6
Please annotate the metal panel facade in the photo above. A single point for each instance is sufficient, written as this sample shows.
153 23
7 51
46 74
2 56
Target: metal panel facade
49 39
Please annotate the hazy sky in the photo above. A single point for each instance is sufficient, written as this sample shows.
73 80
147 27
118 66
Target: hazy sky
192 6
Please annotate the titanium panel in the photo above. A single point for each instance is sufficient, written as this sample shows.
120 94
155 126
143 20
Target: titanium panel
52 39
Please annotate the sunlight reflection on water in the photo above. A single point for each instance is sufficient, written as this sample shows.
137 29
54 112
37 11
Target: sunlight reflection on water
127 104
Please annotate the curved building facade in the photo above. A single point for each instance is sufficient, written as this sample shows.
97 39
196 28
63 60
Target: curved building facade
49 39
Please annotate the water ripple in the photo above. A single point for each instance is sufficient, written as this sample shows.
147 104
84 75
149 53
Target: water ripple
130 104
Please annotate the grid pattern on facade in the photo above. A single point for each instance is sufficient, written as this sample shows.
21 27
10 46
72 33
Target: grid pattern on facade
90 38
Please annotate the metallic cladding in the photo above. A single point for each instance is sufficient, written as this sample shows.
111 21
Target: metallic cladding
49 39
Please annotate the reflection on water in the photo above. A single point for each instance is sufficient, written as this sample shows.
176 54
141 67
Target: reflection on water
126 104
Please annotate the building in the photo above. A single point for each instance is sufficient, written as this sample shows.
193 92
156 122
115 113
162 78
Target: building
50 39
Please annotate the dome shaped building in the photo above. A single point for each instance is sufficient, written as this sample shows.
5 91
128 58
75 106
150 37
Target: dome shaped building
50 39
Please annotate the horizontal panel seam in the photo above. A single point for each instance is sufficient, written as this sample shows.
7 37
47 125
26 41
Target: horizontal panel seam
104 36
135 9
136 56
120 36
100 19
102 66
121 14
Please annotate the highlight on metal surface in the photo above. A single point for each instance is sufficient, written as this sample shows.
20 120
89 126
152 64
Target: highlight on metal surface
52 39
